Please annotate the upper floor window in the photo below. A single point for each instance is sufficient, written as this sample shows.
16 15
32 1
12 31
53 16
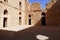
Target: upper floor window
29 16
20 4
19 13
5 0
0 1
5 11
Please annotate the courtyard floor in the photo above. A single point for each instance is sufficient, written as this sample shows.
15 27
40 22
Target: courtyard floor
53 32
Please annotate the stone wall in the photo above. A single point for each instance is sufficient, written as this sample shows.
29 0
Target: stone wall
36 12
53 15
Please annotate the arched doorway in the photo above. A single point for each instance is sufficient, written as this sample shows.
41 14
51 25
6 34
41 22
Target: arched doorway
43 19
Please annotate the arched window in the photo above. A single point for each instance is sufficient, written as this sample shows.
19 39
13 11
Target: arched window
20 4
0 1
19 13
5 11
29 16
5 0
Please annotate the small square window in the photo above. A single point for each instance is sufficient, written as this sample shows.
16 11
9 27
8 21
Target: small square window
29 16
19 3
5 0
19 13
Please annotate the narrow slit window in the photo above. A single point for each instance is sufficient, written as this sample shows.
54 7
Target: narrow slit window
29 21
5 22
19 20
20 4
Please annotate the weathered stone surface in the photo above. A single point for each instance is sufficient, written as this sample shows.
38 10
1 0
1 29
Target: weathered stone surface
53 15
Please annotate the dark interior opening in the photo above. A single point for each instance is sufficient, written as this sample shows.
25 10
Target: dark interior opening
43 13
29 21
29 16
20 4
5 22
5 0
5 11
43 19
19 20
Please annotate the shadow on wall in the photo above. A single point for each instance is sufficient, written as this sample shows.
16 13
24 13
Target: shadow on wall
53 15
42 21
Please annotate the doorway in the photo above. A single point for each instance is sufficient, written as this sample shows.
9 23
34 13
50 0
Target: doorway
43 19
5 22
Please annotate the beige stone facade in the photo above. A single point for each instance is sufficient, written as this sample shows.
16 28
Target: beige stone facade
12 15
36 11
19 14
15 13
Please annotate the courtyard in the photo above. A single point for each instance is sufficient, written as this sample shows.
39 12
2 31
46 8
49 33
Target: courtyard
30 33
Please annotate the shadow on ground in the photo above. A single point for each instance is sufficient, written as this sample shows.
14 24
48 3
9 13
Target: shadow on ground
30 34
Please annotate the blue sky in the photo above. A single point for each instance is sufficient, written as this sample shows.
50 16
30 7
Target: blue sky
42 2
